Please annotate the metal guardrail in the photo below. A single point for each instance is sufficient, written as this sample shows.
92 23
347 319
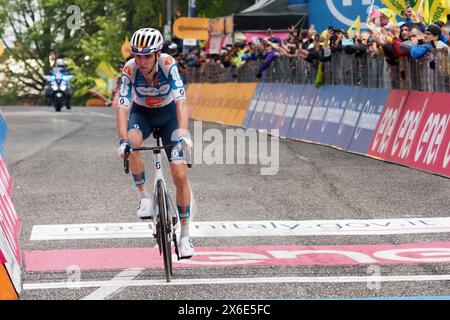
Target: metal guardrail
430 73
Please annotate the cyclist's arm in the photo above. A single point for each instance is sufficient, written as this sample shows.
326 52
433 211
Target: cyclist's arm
125 97
179 95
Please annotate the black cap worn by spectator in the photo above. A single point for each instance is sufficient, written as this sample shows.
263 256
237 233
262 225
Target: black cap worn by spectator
434 30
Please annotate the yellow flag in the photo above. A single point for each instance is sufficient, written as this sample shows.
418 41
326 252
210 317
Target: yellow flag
125 49
396 6
426 12
439 10
105 71
390 14
355 25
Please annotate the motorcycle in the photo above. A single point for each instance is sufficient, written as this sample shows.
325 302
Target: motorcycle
58 91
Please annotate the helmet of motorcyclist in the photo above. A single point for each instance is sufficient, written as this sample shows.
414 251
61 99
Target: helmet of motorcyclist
145 41
60 63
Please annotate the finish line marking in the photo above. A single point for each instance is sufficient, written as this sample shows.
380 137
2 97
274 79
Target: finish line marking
247 228
190 282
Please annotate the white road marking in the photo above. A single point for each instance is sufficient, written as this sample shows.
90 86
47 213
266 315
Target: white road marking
205 281
105 291
248 228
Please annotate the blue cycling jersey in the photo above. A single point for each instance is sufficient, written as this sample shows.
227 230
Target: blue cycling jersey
167 85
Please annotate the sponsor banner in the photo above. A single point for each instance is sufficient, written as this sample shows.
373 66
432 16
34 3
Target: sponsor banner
405 133
11 255
144 258
5 179
350 118
384 132
261 104
335 112
293 98
430 149
245 96
324 97
226 103
303 112
280 107
12 264
191 28
252 106
269 108
371 111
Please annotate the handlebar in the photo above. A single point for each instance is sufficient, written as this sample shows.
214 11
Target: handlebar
128 150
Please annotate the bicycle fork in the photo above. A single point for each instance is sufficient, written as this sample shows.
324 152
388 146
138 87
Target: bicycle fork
172 212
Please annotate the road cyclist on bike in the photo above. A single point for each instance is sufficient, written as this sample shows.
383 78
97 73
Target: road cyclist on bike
152 95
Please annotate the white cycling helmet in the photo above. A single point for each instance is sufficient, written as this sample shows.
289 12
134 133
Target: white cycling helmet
146 41
59 62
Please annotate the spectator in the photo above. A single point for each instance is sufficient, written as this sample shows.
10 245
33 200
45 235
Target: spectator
429 43
270 55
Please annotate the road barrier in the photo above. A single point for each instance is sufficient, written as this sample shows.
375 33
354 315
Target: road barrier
225 103
409 128
10 253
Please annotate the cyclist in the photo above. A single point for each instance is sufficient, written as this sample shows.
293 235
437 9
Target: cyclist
152 96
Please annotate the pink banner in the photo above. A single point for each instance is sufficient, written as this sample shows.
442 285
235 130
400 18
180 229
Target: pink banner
386 125
9 220
124 258
431 148
407 131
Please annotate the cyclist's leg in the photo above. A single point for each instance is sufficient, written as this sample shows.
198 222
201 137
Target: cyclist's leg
179 171
138 130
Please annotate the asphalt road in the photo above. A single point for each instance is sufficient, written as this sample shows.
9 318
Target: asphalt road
66 171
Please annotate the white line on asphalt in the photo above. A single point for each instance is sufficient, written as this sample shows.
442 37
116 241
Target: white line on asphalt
248 228
105 291
200 281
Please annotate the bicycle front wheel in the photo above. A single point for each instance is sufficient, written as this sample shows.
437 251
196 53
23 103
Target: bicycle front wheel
164 230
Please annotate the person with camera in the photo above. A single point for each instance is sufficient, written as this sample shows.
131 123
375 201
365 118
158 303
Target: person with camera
430 43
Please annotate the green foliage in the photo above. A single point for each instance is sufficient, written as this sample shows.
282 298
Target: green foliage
32 30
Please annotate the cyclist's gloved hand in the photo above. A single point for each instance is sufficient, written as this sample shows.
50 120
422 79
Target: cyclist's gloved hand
188 142
178 152
122 145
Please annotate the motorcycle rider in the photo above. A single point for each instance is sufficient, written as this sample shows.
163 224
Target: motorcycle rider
59 70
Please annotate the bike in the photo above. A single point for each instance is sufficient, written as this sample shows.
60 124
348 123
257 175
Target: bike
166 217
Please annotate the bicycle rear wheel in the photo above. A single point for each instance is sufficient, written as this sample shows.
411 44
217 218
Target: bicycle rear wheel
164 230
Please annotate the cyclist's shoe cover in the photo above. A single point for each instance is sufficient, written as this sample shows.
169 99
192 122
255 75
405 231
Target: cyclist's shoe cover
144 210
186 248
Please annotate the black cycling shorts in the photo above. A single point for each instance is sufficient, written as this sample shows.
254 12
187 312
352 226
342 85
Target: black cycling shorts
146 119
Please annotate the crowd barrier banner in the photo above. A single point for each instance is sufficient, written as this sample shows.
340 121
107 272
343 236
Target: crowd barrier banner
387 124
430 148
10 253
293 99
276 117
263 121
314 124
405 133
371 111
260 106
194 93
253 103
303 112
350 117
225 104
246 93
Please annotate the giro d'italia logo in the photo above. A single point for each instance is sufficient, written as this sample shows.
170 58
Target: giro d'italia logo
347 10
